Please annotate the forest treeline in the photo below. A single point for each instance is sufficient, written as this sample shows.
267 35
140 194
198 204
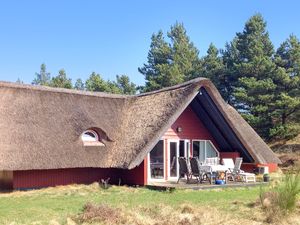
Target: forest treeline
261 82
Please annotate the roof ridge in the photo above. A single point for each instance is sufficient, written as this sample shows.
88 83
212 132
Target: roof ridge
96 94
60 90
195 80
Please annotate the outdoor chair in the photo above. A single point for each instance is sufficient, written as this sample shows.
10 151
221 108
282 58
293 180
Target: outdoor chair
200 174
184 170
228 162
236 173
211 161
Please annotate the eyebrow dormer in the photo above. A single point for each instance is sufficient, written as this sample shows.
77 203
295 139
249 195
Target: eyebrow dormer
91 138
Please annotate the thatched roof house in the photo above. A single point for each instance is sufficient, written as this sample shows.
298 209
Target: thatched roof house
41 127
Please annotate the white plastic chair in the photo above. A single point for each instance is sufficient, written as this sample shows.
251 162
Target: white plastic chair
236 172
228 162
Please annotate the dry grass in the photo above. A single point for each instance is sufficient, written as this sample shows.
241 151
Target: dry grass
162 215
135 206
289 153
186 214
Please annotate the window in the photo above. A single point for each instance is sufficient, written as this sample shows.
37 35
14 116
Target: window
157 164
204 149
91 138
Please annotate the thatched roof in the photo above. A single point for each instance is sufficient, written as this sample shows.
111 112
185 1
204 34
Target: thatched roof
40 127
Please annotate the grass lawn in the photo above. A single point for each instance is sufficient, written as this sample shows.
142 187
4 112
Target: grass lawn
63 205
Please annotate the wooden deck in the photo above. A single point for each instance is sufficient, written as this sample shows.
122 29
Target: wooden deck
167 185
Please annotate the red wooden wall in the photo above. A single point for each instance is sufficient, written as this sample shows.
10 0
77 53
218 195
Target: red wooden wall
192 128
26 179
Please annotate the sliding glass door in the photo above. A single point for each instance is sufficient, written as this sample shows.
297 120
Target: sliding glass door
156 161
173 167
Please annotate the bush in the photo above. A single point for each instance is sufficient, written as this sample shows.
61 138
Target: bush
99 213
286 132
282 198
288 191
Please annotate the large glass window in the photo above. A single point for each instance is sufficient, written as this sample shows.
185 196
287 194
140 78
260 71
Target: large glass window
157 161
210 150
203 149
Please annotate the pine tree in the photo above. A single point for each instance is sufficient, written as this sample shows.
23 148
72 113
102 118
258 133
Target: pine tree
79 85
112 87
159 56
184 53
19 81
213 68
231 76
61 80
287 93
96 83
125 86
43 77
170 63
255 69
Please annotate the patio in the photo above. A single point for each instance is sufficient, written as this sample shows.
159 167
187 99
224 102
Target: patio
193 184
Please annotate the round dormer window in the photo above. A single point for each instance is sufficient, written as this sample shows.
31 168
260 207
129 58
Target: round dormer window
91 138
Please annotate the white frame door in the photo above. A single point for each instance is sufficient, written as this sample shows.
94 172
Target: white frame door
176 160
187 150
150 179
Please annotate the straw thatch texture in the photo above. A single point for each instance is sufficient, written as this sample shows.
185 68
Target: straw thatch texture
257 148
40 127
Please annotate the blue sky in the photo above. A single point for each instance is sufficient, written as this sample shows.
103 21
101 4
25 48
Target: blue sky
113 37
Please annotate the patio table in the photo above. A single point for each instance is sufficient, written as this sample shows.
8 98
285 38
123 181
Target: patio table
215 169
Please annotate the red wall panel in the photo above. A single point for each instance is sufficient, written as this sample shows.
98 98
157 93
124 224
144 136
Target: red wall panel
250 167
45 178
192 128
232 155
135 176
272 166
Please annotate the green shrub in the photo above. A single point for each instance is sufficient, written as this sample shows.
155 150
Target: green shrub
282 198
286 132
288 191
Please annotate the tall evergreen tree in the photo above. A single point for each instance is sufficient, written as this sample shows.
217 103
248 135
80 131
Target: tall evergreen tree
231 76
96 83
125 85
43 77
159 56
287 93
19 81
170 63
255 69
214 69
79 85
61 80
184 53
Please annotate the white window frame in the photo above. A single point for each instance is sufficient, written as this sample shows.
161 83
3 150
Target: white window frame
214 147
205 149
187 152
177 163
95 142
149 178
